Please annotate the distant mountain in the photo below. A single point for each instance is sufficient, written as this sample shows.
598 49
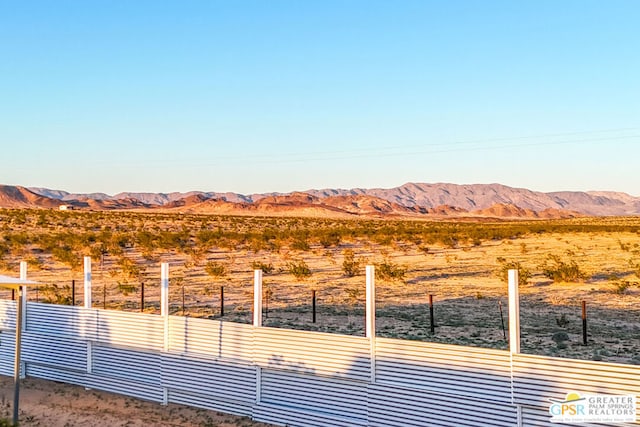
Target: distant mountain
20 197
411 199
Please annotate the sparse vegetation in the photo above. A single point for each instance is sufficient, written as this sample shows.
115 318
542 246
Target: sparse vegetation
299 269
454 260
215 269
524 275
559 270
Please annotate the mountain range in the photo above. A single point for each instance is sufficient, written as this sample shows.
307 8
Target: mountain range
411 199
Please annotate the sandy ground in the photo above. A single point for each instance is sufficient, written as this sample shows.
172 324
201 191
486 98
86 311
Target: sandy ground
52 404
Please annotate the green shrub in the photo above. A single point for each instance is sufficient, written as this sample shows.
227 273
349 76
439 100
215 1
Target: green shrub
259 265
388 270
350 265
215 269
299 269
524 275
561 271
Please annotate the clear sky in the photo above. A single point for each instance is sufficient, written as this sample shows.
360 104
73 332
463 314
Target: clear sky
271 95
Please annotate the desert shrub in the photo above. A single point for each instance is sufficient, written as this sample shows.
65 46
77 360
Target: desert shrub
524 275
179 241
259 265
300 244
207 238
299 269
620 286
146 240
350 266
129 268
635 265
562 321
65 255
126 288
330 238
215 269
4 249
353 294
388 270
562 271
55 294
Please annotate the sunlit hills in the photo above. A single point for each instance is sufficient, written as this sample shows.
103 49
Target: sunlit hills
409 200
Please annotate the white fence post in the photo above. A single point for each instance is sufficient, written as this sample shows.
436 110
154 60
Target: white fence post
370 321
22 300
87 282
257 298
164 312
88 304
23 276
514 333
257 322
514 313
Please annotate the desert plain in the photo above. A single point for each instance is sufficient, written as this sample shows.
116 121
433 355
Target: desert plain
461 263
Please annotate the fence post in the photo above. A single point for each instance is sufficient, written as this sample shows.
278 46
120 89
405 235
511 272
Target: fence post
142 297
514 332
257 322
22 300
514 313
584 322
257 298
370 321
313 305
87 282
221 301
432 320
23 276
73 292
164 312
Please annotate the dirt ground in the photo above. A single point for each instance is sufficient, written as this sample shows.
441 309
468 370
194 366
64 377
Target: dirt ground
52 404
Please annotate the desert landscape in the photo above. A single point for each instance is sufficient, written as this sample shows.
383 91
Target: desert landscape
462 263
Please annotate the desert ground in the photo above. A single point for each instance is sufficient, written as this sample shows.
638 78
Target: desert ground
461 263
52 404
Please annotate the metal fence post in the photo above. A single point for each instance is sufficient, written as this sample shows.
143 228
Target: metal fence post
370 326
257 298
514 313
22 300
164 312
257 322
87 282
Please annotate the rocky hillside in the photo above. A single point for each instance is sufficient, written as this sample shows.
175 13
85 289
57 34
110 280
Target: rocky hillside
411 199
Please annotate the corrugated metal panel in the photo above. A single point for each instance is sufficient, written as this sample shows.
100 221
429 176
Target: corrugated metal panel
7 315
448 369
212 385
125 363
64 353
538 378
292 417
539 417
402 407
55 374
211 338
316 353
228 406
152 392
329 397
7 351
130 329
61 320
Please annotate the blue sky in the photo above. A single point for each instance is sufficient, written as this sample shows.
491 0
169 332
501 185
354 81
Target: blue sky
258 96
